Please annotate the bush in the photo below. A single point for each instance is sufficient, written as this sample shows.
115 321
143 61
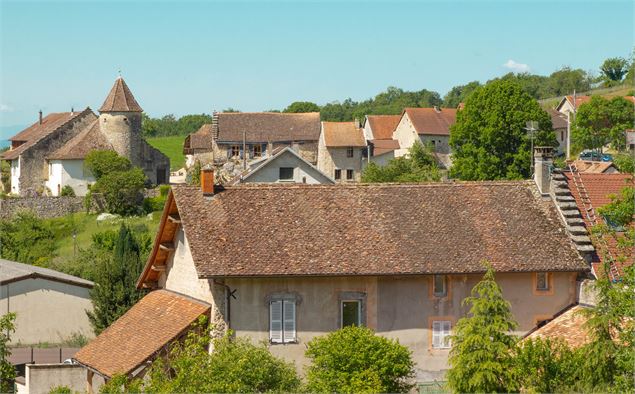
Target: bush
104 162
67 191
624 163
354 359
27 239
123 191
61 390
7 370
419 166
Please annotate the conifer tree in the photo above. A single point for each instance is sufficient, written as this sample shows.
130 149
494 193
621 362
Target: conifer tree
115 288
481 358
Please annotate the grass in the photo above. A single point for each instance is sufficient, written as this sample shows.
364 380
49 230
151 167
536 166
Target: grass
172 147
622 90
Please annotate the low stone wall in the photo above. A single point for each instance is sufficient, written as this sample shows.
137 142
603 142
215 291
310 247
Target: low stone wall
44 207
41 378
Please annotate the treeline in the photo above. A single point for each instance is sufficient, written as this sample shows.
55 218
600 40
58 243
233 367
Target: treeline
170 125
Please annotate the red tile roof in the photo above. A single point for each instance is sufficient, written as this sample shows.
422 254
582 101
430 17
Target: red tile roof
342 134
568 326
156 320
373 229
201 140
120 99
383 125
384 146
268 127
433 121
557 120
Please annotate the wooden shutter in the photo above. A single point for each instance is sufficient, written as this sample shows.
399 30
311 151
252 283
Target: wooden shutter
446 334
289 321
275 321
436 334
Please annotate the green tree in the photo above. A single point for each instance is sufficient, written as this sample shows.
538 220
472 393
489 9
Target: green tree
122 191
624 163
302 106
566 80
489 139
354 359
602 121
613 69
115 288
537 86
67 191
418 166
104 162
481 358
27 239
7 370
459 94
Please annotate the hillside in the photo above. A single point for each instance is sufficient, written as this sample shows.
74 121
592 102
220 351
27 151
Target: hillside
623 90
172 147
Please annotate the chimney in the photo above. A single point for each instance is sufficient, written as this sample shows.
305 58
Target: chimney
543 163
357 124
437 109
207 180
72 111
40 116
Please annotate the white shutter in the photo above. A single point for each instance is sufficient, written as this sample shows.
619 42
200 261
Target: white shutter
289 321
275 321
446 334
436 334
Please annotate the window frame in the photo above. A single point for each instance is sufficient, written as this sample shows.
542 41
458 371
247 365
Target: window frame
350 152
337 174
359 312
549 290
284 300
233 148
351 172
286 179
351 296
257 150
444 282
442 334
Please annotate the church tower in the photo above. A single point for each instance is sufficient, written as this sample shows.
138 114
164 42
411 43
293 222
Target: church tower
120 122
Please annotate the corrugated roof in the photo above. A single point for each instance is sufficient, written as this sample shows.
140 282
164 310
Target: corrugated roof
372 229
86 141
136 337
432 121
383 125
268 127
342 134
120 99
12 271
568 326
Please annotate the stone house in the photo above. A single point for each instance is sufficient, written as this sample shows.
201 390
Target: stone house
287 263
50 153
428 125
342 151
378 131
259 133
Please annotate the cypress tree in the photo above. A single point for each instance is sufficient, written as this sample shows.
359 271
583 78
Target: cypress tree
481 358
115 288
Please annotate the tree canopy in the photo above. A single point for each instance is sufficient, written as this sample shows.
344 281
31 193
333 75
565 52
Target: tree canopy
170 125
419 165
602 121
302 106
459 93
489 139
614 69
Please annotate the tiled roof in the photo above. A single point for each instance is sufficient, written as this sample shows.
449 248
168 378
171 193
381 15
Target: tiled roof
373 229
383 125
120 99
152 323
568 326
557 120
89 139
12 271
342 134
34 133
432 121
384 146
268 127
592 167
201 140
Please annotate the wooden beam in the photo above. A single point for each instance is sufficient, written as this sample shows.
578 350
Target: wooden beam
148 284
174 218
158 268
168 246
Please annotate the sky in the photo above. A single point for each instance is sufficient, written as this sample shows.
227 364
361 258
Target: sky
184 57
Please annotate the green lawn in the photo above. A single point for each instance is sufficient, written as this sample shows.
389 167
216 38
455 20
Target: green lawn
172 147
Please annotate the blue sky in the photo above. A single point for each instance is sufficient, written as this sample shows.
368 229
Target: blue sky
192 57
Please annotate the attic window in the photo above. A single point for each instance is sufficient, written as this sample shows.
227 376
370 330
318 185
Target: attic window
349 152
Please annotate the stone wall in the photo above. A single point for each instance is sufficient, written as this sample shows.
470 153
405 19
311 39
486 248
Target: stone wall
41 378
44 207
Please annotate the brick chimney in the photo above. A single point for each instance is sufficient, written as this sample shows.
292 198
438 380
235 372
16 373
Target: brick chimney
543 163
207 180
40 116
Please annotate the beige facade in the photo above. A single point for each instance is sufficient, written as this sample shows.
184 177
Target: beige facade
406 134
47 310
340 160
41 378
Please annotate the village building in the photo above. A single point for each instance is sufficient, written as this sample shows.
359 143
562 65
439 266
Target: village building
50 154
359 255
427 125
560 125
378 131
342 151
50 306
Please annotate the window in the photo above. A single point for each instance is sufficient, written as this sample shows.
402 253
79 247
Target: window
349 175
282 321
562 136
441 334
235 151
440 286
286 173
349 152
257 151
338 174
542 281
351 313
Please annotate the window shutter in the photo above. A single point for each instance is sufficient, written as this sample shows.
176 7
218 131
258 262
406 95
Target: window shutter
289 321
436 334
446 334
275 321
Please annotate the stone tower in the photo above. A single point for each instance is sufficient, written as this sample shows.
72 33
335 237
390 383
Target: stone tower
120 122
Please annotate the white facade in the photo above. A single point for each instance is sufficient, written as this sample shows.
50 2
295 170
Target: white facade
71 173
287 163
15 176
407 135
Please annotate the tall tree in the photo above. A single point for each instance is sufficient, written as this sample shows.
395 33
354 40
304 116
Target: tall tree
489 139
614 68
115 288
7 370
302 106
458 94
602 121
566 80
481 359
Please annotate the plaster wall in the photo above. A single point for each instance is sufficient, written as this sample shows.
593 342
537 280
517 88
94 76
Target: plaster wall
41 378
71 173
441 143
302 173
406 134
15 176
330 159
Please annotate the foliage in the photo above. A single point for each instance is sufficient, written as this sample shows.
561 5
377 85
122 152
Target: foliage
621 209
354 359
61 390
115 288
122 191
169 125
75 339
418 166
27 239
602 121
614 69
567 80
302 106
489 139
103 162
67 191
154 204
481 357
195 174
7 370
624 163
458 94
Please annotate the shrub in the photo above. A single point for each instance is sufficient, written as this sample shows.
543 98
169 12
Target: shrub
104 162
67 191
123 191
354 359
7 370
27 239
624 163
419 166
61 390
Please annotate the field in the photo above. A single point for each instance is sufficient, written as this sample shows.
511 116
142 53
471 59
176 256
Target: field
172 147
623 90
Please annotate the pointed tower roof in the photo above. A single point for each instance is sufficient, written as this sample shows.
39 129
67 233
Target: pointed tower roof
120 99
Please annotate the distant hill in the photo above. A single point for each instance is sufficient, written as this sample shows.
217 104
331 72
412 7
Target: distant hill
624 90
